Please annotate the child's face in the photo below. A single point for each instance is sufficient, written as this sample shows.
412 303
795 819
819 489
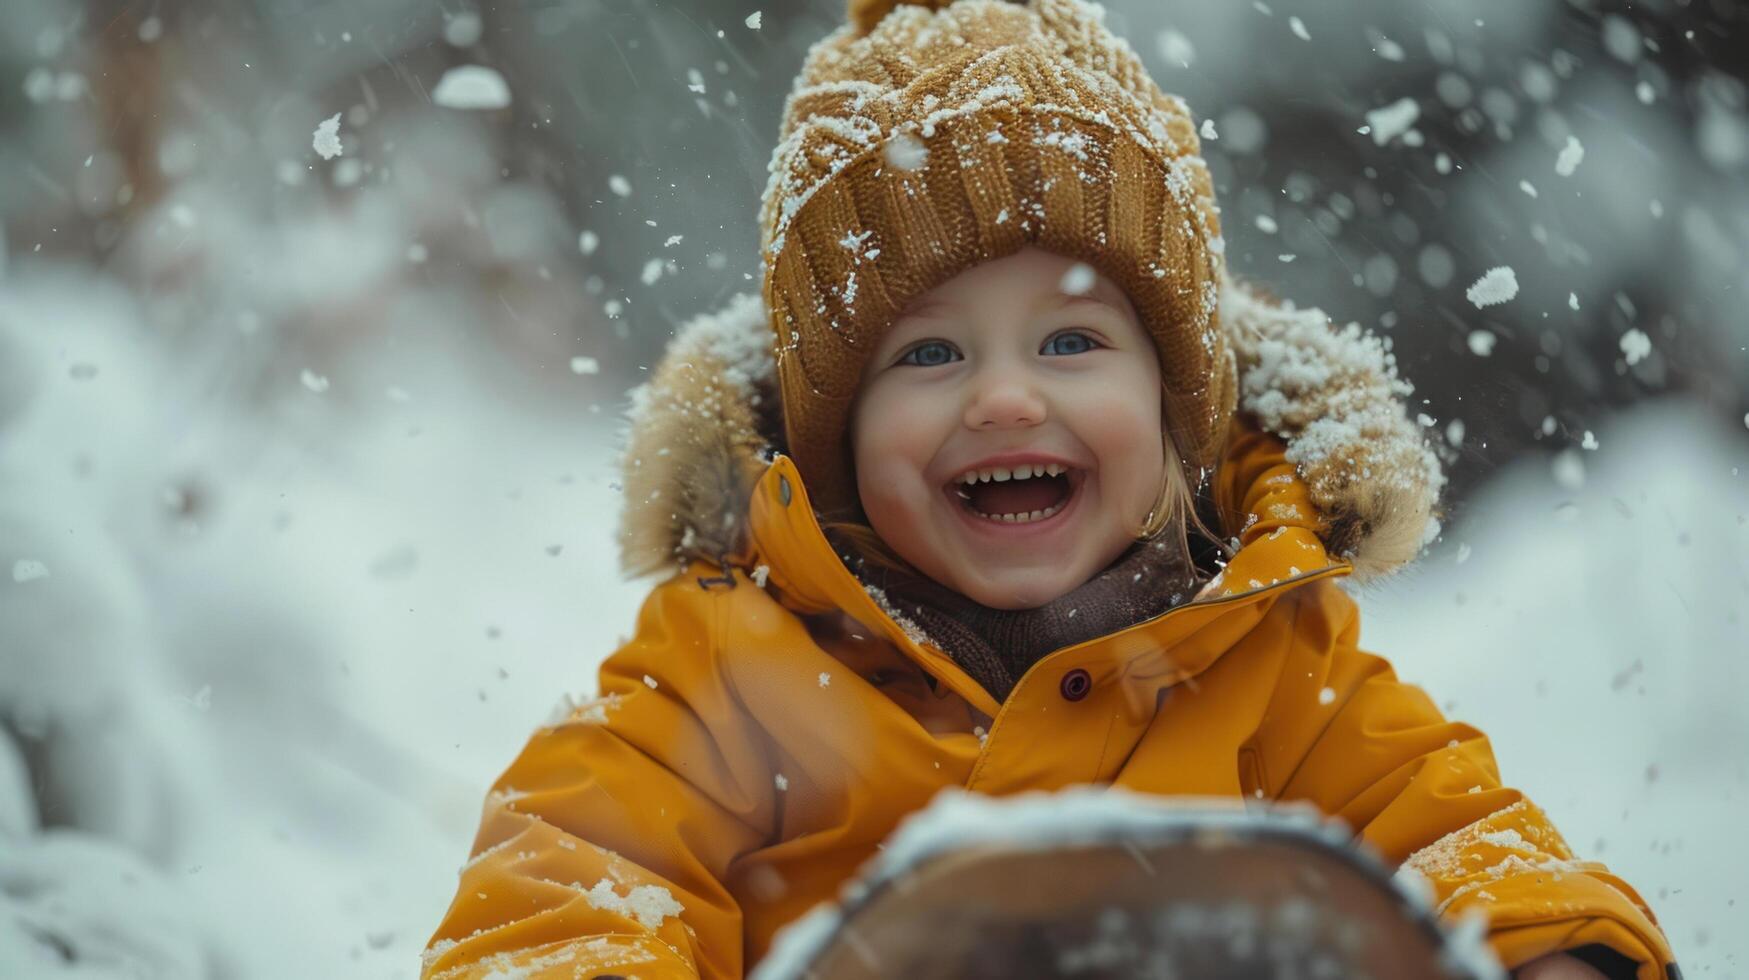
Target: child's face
1001 367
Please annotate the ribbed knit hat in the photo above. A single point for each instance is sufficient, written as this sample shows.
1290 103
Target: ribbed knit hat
924 138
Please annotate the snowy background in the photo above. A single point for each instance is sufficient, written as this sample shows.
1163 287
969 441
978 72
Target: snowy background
316 321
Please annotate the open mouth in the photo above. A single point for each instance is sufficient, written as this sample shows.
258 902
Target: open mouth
1025 494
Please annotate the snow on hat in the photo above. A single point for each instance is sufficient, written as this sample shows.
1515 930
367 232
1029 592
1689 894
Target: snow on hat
923 138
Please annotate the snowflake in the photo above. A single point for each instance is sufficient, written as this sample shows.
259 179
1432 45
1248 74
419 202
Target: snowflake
471 87
1388 122
1570 157
1495 286
1635 345
326 140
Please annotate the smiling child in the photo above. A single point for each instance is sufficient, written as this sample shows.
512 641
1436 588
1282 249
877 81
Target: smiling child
1002 484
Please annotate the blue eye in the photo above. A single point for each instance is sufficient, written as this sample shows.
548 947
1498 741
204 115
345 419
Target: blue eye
926 363
1079 343
933 361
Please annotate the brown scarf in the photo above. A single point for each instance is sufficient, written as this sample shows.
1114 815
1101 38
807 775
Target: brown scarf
997 646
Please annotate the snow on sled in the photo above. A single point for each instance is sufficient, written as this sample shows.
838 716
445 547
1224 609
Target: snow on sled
1103 883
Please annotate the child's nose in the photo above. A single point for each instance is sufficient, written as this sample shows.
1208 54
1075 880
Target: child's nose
1005 400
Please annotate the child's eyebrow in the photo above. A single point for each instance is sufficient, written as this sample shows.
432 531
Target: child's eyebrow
1068 299
1061 300
930 306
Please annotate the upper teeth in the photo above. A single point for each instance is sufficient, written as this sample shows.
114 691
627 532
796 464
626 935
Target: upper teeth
1025 471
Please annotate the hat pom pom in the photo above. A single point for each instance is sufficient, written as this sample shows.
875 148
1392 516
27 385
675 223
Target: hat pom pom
865 14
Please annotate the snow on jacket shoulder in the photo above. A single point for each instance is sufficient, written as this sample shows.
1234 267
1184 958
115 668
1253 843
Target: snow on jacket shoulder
771 721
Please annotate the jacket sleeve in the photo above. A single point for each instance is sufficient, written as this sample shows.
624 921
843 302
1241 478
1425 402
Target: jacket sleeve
603 849
1342 732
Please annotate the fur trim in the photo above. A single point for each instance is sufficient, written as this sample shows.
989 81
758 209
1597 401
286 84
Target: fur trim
1334 396
704 427
696 443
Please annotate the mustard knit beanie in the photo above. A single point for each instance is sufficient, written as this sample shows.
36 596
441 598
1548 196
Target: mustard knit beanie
923 138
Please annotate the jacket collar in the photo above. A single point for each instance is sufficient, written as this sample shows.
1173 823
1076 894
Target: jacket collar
788 547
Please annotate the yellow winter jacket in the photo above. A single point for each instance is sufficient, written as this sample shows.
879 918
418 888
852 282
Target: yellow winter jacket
769 722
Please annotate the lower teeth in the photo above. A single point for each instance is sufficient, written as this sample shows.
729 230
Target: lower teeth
1027 518
1037 515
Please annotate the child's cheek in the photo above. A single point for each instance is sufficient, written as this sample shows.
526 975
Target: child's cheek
894 412
896 437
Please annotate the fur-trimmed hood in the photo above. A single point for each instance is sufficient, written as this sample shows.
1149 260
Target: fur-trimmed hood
707 424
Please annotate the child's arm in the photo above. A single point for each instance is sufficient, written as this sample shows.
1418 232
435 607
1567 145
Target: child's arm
603 848
1427 794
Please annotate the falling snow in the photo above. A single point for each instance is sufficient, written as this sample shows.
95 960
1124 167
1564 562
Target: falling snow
1621 38
463 29
1391 121
326 141
1496 286
1078 280
1571 156
1635 345
471 87
1176 48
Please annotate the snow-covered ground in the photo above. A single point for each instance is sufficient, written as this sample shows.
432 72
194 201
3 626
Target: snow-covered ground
1591 614
270 671
291 702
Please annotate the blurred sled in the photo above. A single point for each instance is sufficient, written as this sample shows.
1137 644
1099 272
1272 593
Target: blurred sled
1104 884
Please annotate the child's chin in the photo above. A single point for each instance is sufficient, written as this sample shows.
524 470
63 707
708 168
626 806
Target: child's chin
1020 590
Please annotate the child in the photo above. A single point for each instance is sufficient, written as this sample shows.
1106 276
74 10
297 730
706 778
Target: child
950 537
